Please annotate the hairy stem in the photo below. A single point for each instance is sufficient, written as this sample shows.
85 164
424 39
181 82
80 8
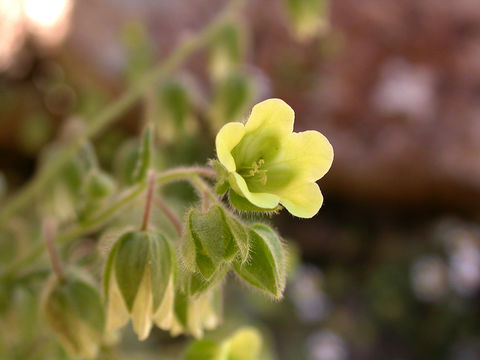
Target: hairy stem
205 201
170 215
206 192
49 229
104 215
112 111
149 199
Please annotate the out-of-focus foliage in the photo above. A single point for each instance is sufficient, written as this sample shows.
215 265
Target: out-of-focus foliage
392 83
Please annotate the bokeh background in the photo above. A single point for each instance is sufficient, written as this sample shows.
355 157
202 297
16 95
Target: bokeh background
390 267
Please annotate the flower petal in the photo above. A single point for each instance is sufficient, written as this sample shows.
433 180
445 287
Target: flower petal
309 154
302 199
227 138
164 315
262 200
142 307
273 114
117 313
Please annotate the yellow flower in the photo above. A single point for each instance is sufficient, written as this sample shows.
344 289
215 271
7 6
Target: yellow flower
268 164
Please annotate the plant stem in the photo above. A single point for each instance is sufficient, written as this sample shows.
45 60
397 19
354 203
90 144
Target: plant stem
49 235
170 215
148 201
205 201
205 190
112 111
182 173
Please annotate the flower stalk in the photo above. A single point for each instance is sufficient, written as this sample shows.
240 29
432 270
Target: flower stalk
49 230
177 224
148 202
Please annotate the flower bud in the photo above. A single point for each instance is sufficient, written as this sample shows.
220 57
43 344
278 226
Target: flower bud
211 240
98 184
139 282
266 267
73 309
232 96
193 315
226 50
309 17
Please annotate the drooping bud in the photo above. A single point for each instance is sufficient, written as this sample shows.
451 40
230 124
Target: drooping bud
193 315
73 309
266 268
139 282
212 239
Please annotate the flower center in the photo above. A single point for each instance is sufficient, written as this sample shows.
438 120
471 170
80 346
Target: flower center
255 172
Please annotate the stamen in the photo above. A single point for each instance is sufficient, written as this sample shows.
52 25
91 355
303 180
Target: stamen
255 170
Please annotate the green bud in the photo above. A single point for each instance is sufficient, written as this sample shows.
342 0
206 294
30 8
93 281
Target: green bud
232 97
139 282
126 160
211 239
227 49
309 17
74 311
265 269
176 102
145 156
98 185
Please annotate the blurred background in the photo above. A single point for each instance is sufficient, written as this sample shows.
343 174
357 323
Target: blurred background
388 269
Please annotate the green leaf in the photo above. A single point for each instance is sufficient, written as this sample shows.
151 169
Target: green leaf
161 266
198 285
265 269
233 95
145 155
203 350
130 261
276 247
242 204
176 100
